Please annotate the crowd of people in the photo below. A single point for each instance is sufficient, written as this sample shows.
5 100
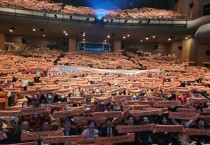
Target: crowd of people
166 103
48 7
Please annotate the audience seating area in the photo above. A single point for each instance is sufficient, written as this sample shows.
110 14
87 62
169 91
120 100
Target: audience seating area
47 7
162 101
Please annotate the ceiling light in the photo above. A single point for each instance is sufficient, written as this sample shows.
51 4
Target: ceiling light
34 30
64 31
83 39
169 39
83 35
108 36
66 34
186 38
147 38
153 36
43 35
104 40
142 41
128 35
123 37
12 29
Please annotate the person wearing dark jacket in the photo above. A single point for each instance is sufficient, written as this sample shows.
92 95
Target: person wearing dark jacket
108 129
69 130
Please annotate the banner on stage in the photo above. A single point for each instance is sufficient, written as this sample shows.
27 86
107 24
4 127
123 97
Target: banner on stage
71 69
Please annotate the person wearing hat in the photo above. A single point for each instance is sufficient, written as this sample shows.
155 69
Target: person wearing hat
87 112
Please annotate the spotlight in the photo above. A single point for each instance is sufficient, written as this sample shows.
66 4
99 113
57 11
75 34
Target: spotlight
99 19
186 38
87 19
66 34
153 36
64 31
128 35
12 29
147 38
108 36
142 41
43 35
169 39
124 37
34 30
55 16
83 39
104 40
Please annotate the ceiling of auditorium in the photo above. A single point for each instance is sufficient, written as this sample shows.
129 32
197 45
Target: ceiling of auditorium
98 33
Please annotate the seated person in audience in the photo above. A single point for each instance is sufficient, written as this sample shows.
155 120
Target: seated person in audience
87 113
60 98
146 137
130 120
108 129
3 134
11 96
34 101
201 139
69 130
90 132
24 128
165 138
25 104
50 98
54 121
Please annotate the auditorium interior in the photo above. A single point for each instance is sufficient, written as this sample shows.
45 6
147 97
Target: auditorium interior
113 72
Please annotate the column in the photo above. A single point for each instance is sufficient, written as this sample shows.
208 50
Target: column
2 41
117 45
190 50
72 45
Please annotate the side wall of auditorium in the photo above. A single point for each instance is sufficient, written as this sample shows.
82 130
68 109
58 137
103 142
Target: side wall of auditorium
191 50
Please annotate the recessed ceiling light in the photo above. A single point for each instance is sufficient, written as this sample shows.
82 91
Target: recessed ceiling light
10 30
147 38
128 35
66 34
64 31
104 40
141 40
43 35
83 39
83 35
123 37
108 36
186 38
153 36
169 39
34 29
